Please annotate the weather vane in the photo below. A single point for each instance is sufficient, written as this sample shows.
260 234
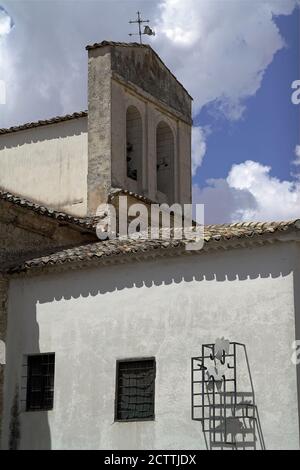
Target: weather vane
147 29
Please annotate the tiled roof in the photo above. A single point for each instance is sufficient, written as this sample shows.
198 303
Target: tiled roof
249 229
46 122
215 236
84 222
116 192
88 223
96 45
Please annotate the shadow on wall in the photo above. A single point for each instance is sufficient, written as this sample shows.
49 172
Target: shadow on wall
219 267
175 271
223 397
19 432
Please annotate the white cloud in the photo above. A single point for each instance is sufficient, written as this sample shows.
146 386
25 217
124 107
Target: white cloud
2 92
44 61
249 193
220 50
7 72
222 203
198 147
297 153
6 22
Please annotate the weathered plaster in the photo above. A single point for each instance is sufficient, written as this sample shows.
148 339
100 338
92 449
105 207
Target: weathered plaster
164 308
25 234
142 67
123 77
99 128
48 165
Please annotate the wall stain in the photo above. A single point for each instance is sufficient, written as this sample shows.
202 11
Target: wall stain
14 426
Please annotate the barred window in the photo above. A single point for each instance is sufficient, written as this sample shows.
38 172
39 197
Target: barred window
40 382
135 390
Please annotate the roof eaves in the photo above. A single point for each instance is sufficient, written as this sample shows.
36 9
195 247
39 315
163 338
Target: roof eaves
45 122
88 223
114 251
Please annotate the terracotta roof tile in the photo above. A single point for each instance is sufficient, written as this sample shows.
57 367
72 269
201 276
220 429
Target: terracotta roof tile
83 222
102 250
96 45
213 235
116 192
46 122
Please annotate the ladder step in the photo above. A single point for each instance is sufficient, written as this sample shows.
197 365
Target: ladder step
228 405
237 445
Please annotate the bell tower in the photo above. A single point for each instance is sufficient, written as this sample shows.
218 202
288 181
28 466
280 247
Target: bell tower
139 126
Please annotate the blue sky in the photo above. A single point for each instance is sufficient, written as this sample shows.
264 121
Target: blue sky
269 130
237 58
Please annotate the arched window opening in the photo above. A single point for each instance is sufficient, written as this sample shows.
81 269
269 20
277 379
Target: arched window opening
134 143
165 160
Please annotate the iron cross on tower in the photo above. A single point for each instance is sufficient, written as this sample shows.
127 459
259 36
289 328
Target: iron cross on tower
147 29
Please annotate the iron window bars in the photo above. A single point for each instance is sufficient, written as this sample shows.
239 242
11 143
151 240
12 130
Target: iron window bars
40 382
135 390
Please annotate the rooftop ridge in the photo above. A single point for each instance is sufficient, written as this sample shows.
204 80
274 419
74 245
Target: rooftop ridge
60 215
45 122
215 236
97 45
83 222
113 249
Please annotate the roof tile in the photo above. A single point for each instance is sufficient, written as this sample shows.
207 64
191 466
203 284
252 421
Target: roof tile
45 122
213 234
83 222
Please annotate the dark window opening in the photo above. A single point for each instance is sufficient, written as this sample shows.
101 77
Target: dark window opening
134 144
40 382
131 171
165 160
135 390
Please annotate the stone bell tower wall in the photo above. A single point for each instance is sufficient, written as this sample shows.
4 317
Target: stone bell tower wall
127 80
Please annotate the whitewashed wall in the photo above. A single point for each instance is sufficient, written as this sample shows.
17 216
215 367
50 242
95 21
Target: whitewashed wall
48 164
167 309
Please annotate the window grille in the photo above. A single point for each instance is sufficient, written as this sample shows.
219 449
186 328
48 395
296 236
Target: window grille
135 390
40 382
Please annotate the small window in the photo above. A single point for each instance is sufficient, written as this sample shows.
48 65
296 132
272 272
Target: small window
40 382
135 390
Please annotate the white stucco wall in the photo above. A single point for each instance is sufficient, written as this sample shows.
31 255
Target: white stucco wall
165 308
48 164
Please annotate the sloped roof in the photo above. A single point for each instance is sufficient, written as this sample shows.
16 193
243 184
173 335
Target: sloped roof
97 45
116 192
88 223
46 122
215 236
